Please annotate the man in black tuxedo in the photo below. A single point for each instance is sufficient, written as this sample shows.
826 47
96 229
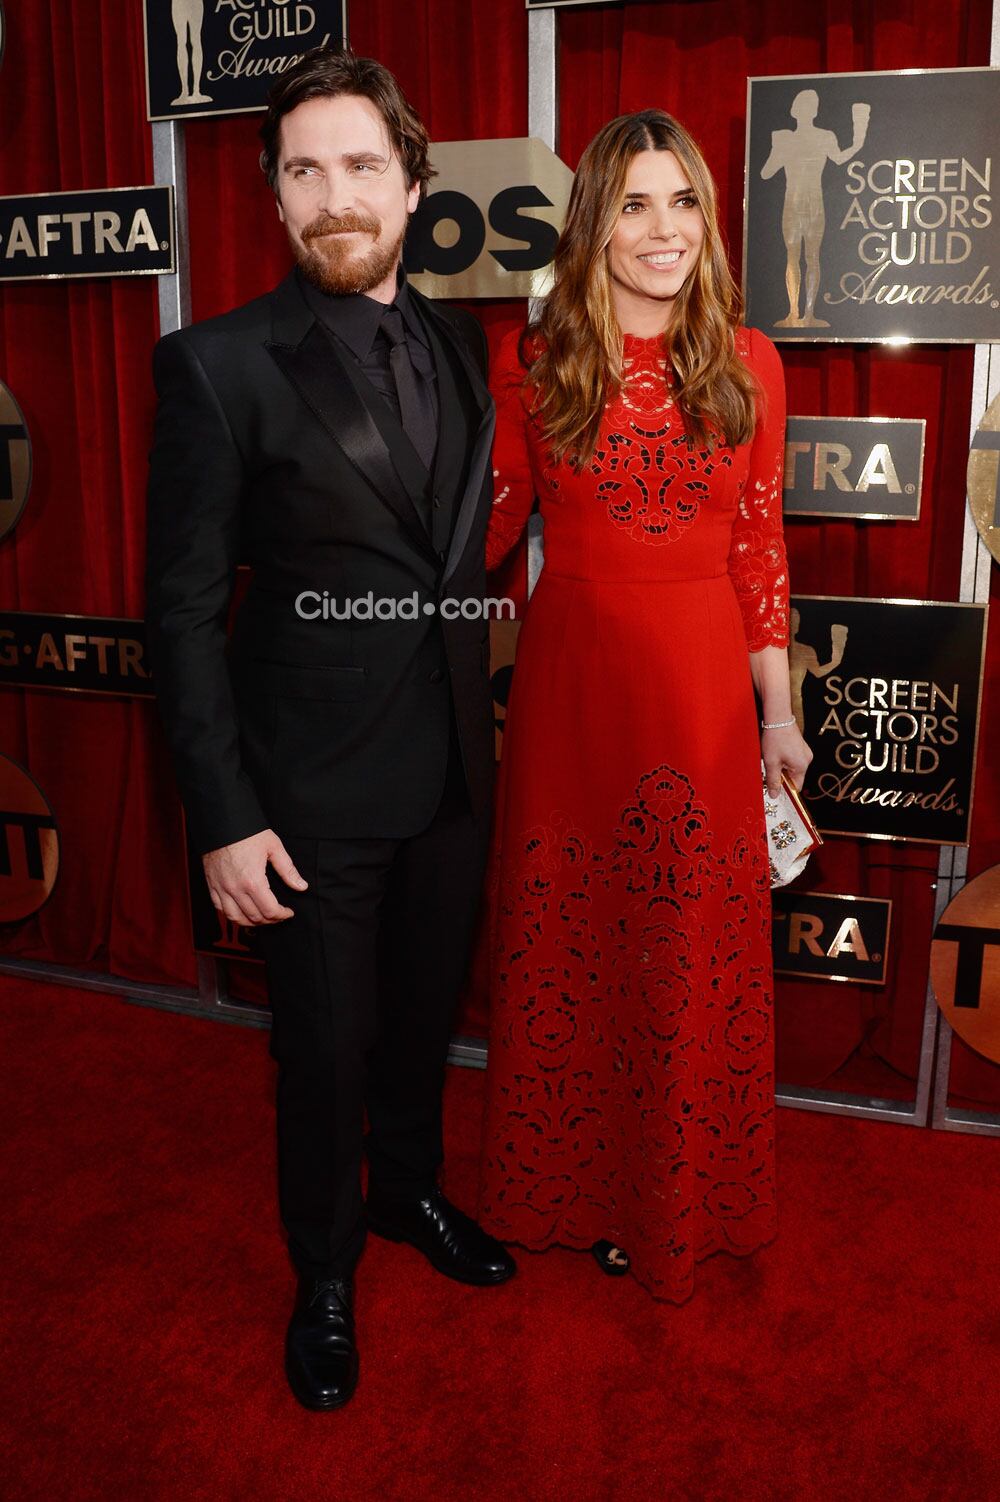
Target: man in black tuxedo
336 435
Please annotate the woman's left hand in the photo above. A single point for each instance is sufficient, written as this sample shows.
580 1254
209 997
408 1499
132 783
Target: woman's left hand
784 751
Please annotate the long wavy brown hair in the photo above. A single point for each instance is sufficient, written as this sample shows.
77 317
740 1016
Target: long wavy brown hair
573 353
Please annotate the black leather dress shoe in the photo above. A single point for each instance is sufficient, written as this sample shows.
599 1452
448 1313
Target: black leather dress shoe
449 1240
321 1358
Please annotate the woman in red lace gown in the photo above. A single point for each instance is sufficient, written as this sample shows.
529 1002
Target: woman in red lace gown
630 1081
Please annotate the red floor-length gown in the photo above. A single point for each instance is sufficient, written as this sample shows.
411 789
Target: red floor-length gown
630 1084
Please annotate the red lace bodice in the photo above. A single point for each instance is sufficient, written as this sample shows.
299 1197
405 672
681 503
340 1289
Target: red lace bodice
647 506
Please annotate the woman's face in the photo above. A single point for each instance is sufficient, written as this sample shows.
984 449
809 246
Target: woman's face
658 239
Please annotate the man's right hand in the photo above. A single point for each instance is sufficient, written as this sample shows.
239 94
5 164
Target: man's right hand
237 879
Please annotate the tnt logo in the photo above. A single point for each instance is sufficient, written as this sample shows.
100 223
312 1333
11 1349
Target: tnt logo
29 844
15 462
965 963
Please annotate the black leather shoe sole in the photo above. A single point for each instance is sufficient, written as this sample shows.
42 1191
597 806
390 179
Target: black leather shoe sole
440 1264
309 1399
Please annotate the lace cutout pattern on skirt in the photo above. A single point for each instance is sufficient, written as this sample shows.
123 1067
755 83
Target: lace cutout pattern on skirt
646 1008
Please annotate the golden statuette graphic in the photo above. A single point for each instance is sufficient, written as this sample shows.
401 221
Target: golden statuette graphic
804 660
802 154
188 17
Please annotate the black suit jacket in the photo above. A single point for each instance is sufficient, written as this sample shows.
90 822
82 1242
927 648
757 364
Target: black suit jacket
270 449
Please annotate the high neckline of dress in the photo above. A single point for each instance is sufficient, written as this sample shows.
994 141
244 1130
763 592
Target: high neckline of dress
639 345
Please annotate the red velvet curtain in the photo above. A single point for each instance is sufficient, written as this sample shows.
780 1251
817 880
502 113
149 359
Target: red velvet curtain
693 60
76 355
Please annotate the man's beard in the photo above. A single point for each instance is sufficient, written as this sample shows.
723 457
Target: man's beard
330 262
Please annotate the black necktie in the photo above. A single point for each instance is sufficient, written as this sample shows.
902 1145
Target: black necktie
415 410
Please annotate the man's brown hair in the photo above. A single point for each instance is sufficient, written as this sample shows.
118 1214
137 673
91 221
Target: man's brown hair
326 72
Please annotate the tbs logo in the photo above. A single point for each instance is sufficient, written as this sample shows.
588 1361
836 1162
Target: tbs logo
489 225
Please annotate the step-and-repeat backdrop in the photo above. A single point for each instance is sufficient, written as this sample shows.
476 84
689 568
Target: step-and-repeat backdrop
870 218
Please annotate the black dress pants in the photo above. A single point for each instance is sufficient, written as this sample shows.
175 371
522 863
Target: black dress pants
363 983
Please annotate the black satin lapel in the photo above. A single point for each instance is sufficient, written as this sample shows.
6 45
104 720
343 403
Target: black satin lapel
479 460
315 370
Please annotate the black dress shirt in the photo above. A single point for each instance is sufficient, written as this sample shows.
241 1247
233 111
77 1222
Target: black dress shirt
354 319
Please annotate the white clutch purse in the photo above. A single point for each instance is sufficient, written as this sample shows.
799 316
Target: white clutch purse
791 833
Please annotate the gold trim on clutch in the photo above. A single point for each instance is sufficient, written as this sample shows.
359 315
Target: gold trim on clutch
800 809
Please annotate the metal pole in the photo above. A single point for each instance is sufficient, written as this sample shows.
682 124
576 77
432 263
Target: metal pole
953 865
543 123
170 167
543 84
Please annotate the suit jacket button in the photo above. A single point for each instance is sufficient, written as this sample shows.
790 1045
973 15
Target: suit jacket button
442 554
436 676
437 503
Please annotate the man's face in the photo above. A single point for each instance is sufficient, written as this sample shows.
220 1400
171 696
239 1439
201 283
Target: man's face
343 196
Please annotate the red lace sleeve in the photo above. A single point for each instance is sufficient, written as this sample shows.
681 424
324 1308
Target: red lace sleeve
757 562
513 482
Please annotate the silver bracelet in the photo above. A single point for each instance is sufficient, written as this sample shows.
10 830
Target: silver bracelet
777 724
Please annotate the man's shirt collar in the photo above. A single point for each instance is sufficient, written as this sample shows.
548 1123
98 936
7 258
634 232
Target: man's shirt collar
354 317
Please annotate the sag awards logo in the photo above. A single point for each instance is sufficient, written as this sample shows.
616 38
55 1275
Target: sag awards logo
249 23
217 57
188 17
877 726
803 155
29 844
905 214
881 187
887 694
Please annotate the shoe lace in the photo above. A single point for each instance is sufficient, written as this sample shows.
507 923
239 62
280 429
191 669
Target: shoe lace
339 1287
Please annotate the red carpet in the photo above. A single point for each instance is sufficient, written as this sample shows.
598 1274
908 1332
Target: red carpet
146 1290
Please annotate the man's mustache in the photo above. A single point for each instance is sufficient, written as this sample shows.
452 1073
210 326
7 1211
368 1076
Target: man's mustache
341 224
